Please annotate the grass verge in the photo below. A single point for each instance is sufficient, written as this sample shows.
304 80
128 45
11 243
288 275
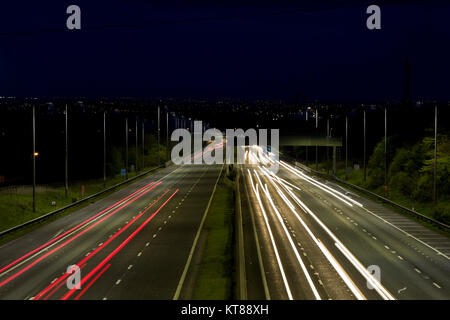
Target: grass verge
215 275
16 209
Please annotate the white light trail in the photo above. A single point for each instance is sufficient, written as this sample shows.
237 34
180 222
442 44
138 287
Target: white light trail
350 284
294 248
277 255
358 265
322 186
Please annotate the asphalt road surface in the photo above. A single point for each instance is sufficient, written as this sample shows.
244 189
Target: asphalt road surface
133 244
306 238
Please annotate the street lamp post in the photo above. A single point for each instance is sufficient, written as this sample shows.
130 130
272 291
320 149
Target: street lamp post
385 151
364 157
317 125
66 180
136 152
104 149
346 146
143 144
167 136
34 159
435 157
328 136
126 148
159 136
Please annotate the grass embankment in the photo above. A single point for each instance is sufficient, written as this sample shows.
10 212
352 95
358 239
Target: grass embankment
215 275
16 207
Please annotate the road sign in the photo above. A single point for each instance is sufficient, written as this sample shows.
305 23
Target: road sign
123 172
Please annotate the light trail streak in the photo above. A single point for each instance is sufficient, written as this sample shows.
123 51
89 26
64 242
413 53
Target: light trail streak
71 230
383 292
294 248
345 277
86 259
119 248
320 185
277 255
70 240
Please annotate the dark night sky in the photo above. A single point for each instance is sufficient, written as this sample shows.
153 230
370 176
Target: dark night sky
321 54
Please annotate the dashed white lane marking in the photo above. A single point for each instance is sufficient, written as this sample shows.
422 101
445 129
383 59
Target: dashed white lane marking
387 247
139 254
154 236
147 244
100 244
320 282
159 228
436 285
311 266
54 280
87 254
118 281
165 221
170 216
417 270
130 266
374 238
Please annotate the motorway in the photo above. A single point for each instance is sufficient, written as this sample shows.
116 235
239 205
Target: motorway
302 238
133 244
306 238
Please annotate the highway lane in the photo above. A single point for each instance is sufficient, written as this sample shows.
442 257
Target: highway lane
132 244
409 268
337 240
294 266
